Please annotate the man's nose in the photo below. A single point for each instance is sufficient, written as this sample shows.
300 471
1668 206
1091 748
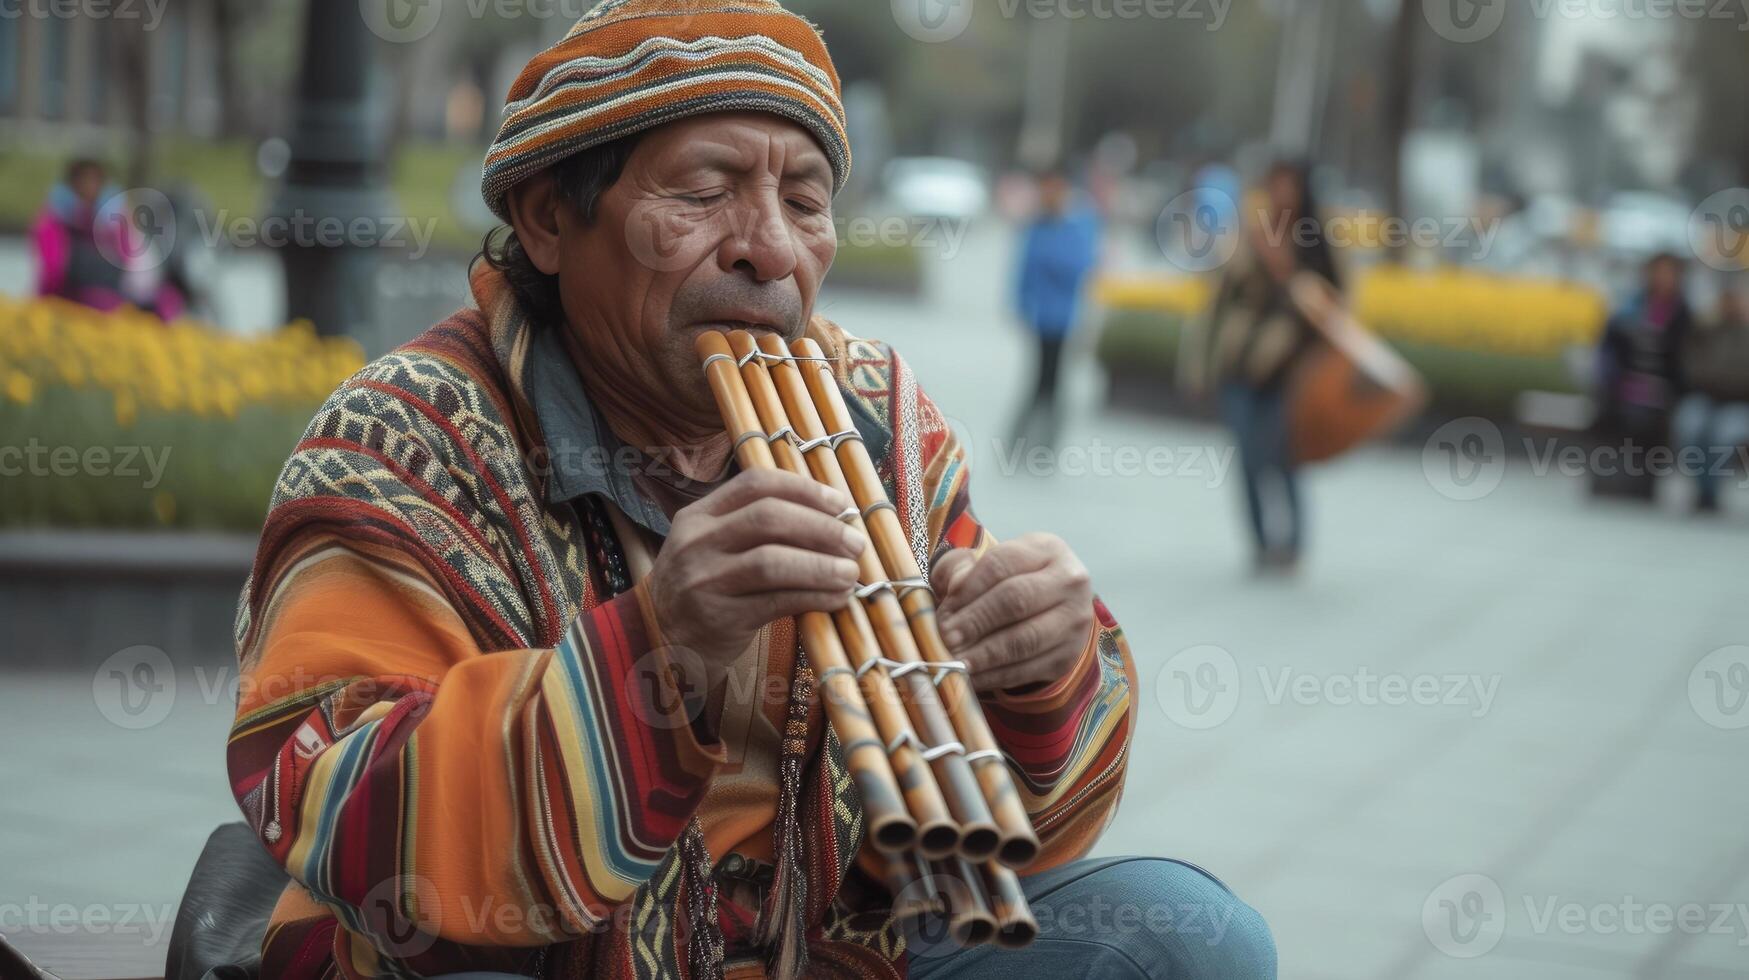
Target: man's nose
761 242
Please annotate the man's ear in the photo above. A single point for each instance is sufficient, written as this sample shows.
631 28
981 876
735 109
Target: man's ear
534 206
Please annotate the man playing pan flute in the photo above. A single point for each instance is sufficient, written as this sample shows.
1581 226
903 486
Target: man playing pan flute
522 689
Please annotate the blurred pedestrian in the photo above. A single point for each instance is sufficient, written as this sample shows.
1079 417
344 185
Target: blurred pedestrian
1060 248
1247 346
1712 420
87 250
1640 376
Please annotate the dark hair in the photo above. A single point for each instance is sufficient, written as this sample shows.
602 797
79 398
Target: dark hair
79 165
1311 250
582 178
1666 257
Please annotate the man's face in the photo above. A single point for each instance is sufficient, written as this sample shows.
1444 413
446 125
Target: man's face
717 222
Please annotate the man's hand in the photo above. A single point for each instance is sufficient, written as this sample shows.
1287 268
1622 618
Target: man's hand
1019 615
765 545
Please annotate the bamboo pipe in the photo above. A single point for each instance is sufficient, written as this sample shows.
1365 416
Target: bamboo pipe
1019 842
1015 925
963 788
890 824
939 820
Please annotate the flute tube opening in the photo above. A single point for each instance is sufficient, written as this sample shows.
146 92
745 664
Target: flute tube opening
1014 935
938 840
979 843
1017 852
894 833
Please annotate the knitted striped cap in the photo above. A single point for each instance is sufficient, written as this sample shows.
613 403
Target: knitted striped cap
630 65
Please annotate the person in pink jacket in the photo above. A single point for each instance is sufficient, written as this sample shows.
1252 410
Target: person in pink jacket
88 252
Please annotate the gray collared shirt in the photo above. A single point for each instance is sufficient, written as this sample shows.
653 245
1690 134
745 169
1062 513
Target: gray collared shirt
583 454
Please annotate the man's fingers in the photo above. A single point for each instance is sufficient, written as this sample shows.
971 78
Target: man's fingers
1026 647
948 570
781 567
1019 675
774 520
1006 560
749 486
1009 601
793 602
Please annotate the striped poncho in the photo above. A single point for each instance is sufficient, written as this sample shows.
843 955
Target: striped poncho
434 732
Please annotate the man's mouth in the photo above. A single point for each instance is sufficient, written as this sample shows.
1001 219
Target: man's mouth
751 326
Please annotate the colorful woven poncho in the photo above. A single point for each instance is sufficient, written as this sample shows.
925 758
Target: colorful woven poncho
435 734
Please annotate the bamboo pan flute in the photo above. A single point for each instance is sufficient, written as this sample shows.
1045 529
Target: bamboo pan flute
939 802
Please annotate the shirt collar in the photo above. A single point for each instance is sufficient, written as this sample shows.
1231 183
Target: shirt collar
583 454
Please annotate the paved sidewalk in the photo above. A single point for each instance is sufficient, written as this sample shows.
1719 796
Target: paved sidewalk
1562 756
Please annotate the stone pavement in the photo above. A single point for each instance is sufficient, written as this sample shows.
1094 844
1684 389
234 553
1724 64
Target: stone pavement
1551 759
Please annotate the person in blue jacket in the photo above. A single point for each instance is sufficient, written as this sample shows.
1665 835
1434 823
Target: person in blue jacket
1060 248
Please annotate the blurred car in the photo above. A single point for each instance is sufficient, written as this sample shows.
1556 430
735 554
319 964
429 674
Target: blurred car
1640 223
935 187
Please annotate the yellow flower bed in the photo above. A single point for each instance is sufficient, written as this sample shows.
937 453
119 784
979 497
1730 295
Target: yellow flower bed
1447 307
146 365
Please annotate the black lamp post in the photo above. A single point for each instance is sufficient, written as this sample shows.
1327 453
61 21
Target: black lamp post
334 203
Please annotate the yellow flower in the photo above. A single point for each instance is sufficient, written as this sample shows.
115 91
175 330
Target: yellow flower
164 506
127 409
19 387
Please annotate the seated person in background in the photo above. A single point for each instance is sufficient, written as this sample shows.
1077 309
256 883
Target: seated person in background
93 255
1639 366
1712 420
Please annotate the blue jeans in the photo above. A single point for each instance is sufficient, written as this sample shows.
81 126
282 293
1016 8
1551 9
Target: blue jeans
1713 431
1258 418
1125 918
1118 919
